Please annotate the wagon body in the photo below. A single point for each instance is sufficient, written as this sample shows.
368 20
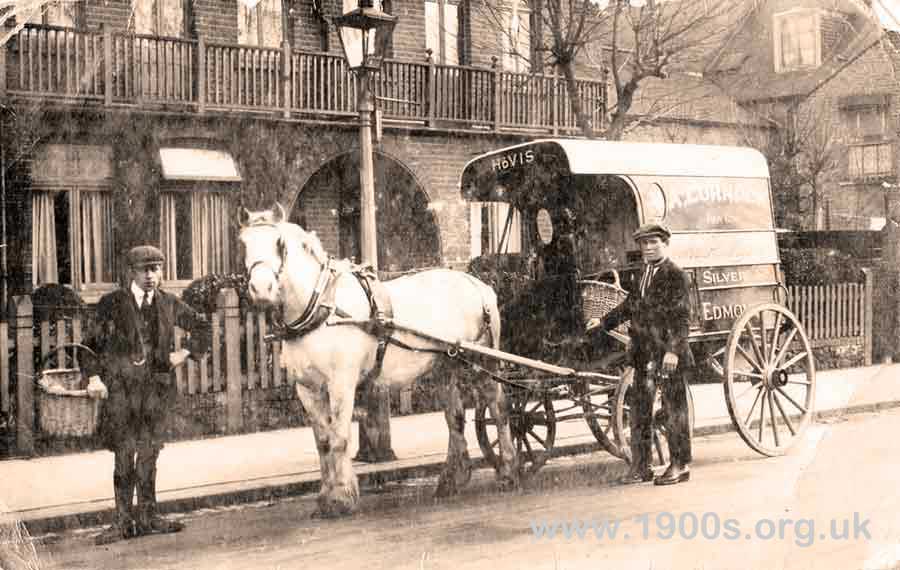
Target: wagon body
716 200
549 216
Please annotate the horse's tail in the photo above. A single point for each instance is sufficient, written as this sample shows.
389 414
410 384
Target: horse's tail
491 324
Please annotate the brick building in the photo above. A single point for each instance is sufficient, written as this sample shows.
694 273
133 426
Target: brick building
828 73
156 120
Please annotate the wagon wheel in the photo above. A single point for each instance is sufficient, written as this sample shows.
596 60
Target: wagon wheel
622 425
770 376
532 422
598 401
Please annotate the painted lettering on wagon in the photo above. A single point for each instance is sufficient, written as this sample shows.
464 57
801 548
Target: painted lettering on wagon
720 277
713 312
715 192
511 160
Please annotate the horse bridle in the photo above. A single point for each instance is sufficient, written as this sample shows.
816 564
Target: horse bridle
309 313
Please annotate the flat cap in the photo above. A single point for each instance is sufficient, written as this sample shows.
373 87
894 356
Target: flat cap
145 255
652 229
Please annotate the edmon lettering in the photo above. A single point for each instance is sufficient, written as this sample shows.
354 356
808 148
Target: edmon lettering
713 312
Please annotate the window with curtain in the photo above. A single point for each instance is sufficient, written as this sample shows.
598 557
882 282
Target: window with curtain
72 237
260 25
158 17
796 40
64 14
442 31
516 42
495 227
194 233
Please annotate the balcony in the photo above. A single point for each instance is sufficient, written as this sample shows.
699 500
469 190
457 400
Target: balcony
112 69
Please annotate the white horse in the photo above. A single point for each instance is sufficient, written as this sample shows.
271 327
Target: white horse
287 267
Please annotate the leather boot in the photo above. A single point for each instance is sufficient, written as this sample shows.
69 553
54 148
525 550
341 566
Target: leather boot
124 525
149 519
675 473
637 474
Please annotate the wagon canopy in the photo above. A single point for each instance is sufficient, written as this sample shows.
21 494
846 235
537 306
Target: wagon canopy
716 199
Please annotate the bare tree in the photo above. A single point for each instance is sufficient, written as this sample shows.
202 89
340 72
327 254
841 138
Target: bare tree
632 40
802 150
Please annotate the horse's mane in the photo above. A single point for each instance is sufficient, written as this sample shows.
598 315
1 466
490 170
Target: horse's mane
294 235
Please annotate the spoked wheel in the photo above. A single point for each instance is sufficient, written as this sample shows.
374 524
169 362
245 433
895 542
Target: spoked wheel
532 422
622 422
770 377
598 401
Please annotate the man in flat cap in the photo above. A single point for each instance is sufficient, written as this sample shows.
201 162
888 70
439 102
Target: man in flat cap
659 309
134 338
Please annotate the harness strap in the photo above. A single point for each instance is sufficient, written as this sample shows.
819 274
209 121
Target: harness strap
381 316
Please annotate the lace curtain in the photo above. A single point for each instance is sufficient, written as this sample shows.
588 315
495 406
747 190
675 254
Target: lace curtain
88 225
43 240
205 246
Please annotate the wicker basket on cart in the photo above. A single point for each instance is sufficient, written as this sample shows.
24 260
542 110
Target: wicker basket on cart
64 407
598 298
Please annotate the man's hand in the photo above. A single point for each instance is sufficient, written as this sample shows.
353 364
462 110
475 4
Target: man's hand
669 363
178 357
592 324
97 389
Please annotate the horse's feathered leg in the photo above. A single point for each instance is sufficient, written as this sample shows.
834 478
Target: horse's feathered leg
330 414
458 468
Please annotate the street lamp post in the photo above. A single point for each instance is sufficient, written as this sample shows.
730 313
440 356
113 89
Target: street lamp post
365 33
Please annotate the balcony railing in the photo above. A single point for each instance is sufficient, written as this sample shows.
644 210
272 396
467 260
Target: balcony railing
120 69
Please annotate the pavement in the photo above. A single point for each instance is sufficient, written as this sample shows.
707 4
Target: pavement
51 494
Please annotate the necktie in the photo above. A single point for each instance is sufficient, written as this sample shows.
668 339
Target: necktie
649 270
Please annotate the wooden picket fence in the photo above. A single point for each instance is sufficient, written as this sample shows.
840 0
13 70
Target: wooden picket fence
835 314
241 361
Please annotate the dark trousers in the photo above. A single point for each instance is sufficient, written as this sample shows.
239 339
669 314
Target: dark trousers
133 425
675 416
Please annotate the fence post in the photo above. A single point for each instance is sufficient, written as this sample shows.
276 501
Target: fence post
432 89
286 68
201 75
107 65
228 300
23 315
869 315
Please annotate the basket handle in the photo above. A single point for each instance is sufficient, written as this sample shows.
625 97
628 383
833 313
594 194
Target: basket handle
615 275
74 345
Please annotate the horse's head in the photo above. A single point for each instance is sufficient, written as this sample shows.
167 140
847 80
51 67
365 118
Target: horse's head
268 242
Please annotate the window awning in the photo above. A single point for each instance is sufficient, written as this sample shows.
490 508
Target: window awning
196 164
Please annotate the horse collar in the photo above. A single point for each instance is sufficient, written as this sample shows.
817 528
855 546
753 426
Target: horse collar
312 317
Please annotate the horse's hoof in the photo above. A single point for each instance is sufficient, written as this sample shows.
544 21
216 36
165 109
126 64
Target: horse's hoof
508 484
331 509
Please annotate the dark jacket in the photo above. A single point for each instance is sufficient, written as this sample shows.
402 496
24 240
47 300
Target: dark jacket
660 321
116 336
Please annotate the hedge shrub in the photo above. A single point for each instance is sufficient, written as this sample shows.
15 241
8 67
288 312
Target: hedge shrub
201 293
819 266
